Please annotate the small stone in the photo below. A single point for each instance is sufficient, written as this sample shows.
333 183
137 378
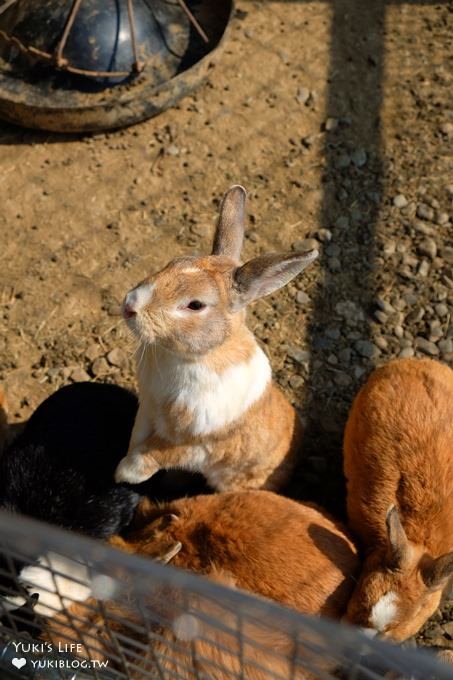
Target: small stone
342 222
322 343
343 161
442 218
52 374
441 309
302 298
426 346
342 379
296 381
424 212
367 349
400 201
446 346
331 124
358 372
406 353
410 299
93 352
448 628
345 355
349 310
116 357
305 244
416 315
79 375
359 158
297 354
100 367
436 334
389 248
428 247
173 150
334 264
332 360
356 214
447 254
381 316
398 332
324 235
308 141
303 95
333 333
333 250
447 129
381 342
423 268
385 306
423 228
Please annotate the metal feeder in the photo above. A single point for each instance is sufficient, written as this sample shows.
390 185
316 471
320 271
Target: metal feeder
87 65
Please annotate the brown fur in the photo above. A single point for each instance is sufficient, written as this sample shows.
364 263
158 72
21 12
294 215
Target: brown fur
398 451
189 360
256 541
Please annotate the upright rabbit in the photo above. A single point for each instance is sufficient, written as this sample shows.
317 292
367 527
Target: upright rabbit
207 400
398 460
252 540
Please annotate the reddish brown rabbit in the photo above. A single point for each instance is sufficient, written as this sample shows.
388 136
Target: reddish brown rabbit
254 540
398 461
207 400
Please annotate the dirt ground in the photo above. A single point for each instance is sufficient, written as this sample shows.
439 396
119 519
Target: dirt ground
334 116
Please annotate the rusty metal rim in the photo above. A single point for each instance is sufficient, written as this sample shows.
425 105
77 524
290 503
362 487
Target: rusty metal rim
125 105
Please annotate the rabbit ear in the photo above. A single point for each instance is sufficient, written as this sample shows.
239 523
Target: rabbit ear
230 226
437 573
267 273
398 544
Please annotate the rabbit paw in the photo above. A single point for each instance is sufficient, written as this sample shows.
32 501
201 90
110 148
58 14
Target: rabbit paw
135 468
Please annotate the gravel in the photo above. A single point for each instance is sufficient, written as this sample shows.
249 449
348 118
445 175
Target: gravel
400 201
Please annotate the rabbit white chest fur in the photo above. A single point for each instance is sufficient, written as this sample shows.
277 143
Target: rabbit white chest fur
213 400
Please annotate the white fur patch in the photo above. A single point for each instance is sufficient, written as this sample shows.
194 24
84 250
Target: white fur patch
214 399
56 592
191 270
384 611
140 297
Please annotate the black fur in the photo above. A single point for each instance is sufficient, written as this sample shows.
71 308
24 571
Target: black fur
60 469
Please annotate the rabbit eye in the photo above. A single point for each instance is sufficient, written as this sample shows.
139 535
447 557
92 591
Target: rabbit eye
196 305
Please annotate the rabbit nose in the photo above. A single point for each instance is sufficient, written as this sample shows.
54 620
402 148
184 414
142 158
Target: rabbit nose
129 311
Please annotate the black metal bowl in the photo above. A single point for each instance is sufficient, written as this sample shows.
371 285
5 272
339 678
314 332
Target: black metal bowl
86 65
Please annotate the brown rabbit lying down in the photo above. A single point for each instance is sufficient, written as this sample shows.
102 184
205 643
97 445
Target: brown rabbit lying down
207 400
398 460
253 540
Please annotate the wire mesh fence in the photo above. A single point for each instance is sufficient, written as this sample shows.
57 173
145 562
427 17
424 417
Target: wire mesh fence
75 608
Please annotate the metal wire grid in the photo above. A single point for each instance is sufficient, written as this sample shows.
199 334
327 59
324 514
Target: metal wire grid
57 57
144 621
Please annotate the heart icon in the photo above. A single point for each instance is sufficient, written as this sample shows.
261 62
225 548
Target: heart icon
19 662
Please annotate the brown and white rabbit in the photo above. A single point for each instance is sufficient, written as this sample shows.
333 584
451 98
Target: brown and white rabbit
257 541
398 461
207 400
